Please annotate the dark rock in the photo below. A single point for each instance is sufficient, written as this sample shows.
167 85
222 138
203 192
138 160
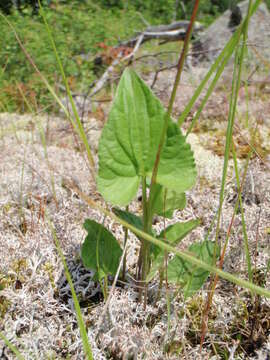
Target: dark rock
236 17
212 41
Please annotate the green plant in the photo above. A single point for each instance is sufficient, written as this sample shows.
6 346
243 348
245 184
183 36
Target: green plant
106 250
127 155
79 28
188 268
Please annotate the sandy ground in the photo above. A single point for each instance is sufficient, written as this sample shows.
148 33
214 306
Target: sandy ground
36 309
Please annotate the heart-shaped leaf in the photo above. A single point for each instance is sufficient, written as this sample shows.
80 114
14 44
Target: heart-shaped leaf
173 234
176 167
190 277
129 143
100 250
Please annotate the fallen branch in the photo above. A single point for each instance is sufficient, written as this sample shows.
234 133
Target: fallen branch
172 32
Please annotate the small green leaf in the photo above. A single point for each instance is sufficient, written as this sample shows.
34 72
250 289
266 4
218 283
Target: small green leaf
173 201
129 218
173 234
132 220
190 277
129 144
100 250
176 232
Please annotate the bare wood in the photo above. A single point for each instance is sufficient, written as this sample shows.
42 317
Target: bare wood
172 32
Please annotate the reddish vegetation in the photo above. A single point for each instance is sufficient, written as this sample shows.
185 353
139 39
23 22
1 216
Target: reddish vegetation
110 53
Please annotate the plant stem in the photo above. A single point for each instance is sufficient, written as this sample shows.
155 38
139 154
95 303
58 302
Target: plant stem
147 205
215 280
125 254
180 67
144 261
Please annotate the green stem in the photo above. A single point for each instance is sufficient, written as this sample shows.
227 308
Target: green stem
146 228
233 104
226 154
125 254
78 126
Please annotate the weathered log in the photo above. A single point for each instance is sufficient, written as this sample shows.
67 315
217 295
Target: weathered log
173 32
182 24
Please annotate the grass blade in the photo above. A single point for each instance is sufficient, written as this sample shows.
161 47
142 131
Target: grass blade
224 56
79 126
236 82
215 280
83 332
53 93
11 347
239 58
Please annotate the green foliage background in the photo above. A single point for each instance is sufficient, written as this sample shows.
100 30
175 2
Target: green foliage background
79 26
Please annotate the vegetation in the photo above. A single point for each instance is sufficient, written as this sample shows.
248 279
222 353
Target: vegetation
151 155
81 28
77 40
122 170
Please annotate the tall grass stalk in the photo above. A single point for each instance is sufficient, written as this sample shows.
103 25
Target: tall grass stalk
238 64
222 256
21 190
147 203
79 126
125 252
236 82
83 332
219 64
